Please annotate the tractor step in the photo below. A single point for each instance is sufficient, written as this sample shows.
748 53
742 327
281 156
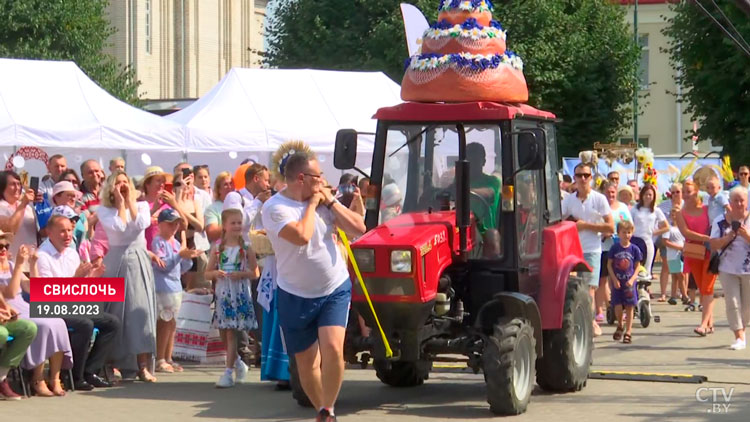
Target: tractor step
648 377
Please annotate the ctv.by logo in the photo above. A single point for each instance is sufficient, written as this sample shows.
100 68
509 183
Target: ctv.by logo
719 397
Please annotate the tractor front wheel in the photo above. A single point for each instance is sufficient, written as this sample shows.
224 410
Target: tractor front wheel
565 363
402 374
508 364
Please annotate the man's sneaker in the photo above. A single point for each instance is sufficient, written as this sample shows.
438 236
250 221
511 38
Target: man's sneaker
7 393
738 344
241 369
325 416
225 381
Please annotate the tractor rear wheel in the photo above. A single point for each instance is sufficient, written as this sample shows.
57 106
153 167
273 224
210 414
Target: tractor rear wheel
508 364
402 374
564 366
297 392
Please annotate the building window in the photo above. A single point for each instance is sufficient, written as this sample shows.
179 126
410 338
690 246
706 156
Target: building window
643 65
148 26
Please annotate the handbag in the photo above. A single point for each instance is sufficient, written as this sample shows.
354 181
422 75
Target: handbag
713 264
694 251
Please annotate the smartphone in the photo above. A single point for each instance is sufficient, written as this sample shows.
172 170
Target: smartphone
186 173
169 187
736 226
34 184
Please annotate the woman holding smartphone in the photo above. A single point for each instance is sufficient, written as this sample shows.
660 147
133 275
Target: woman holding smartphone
17 215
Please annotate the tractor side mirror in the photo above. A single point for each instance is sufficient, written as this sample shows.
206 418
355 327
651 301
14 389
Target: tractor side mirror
531 144
345 154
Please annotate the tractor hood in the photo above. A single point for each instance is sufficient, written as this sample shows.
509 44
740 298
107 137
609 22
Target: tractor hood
422 231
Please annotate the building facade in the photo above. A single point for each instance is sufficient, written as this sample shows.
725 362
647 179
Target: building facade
182 48
663 124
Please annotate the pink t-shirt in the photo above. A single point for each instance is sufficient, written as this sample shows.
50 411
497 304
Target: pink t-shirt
153 229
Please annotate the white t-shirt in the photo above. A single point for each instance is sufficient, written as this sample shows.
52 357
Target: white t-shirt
203 200
675 236
592 210
736 259
646 222
310 271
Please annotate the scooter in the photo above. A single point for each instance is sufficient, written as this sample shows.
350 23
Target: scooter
643 307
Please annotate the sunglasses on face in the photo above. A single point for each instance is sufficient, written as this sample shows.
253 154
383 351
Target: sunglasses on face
4 246
744 174
583 175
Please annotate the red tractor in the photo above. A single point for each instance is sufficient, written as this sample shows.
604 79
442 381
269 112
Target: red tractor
467 253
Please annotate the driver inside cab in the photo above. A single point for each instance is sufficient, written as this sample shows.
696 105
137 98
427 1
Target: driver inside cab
485 189
484 199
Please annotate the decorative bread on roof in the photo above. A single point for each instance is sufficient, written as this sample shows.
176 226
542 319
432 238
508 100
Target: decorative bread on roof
464 58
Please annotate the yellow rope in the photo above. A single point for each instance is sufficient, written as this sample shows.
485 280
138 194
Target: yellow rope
388 351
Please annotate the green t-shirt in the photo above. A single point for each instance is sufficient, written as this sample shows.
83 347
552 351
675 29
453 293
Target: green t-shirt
485 211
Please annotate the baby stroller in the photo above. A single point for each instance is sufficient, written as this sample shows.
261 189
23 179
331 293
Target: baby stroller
643 283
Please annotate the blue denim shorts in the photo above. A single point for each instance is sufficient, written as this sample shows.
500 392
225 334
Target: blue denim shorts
594 259
300 317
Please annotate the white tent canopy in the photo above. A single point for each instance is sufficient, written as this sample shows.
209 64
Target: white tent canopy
54 104
256 110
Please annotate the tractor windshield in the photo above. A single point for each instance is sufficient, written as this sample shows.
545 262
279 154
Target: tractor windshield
419 172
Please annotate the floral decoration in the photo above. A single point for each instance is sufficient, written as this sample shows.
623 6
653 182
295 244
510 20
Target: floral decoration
469 29
464 60
466 5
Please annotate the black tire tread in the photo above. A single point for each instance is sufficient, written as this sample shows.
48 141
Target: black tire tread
498 366
556 369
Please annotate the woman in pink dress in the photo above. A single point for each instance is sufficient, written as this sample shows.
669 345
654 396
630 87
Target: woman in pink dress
694 225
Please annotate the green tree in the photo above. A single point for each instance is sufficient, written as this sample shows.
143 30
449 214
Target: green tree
714 75
66 30
580 58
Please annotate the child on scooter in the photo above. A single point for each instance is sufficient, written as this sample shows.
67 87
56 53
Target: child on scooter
622 267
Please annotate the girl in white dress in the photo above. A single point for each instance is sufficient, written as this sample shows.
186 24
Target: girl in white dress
649 222
232 264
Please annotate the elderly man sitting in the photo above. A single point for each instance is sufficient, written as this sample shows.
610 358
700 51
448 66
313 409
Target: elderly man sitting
58 259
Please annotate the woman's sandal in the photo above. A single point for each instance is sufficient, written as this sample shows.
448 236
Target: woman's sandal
146 376
57 388
618 334
176 366
710 330
627 338
41 390
701 331
164 366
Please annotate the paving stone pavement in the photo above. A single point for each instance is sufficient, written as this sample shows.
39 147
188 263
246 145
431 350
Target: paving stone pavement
450 393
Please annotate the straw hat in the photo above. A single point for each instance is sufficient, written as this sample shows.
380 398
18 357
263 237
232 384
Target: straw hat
5 235
151 172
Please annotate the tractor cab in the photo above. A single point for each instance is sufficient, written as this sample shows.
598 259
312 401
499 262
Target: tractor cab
493 166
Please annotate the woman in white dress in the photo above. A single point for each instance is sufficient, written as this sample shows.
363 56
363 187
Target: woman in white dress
649 221
125 221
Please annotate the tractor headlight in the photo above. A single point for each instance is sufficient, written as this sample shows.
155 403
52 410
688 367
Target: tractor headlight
365 259
401 261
